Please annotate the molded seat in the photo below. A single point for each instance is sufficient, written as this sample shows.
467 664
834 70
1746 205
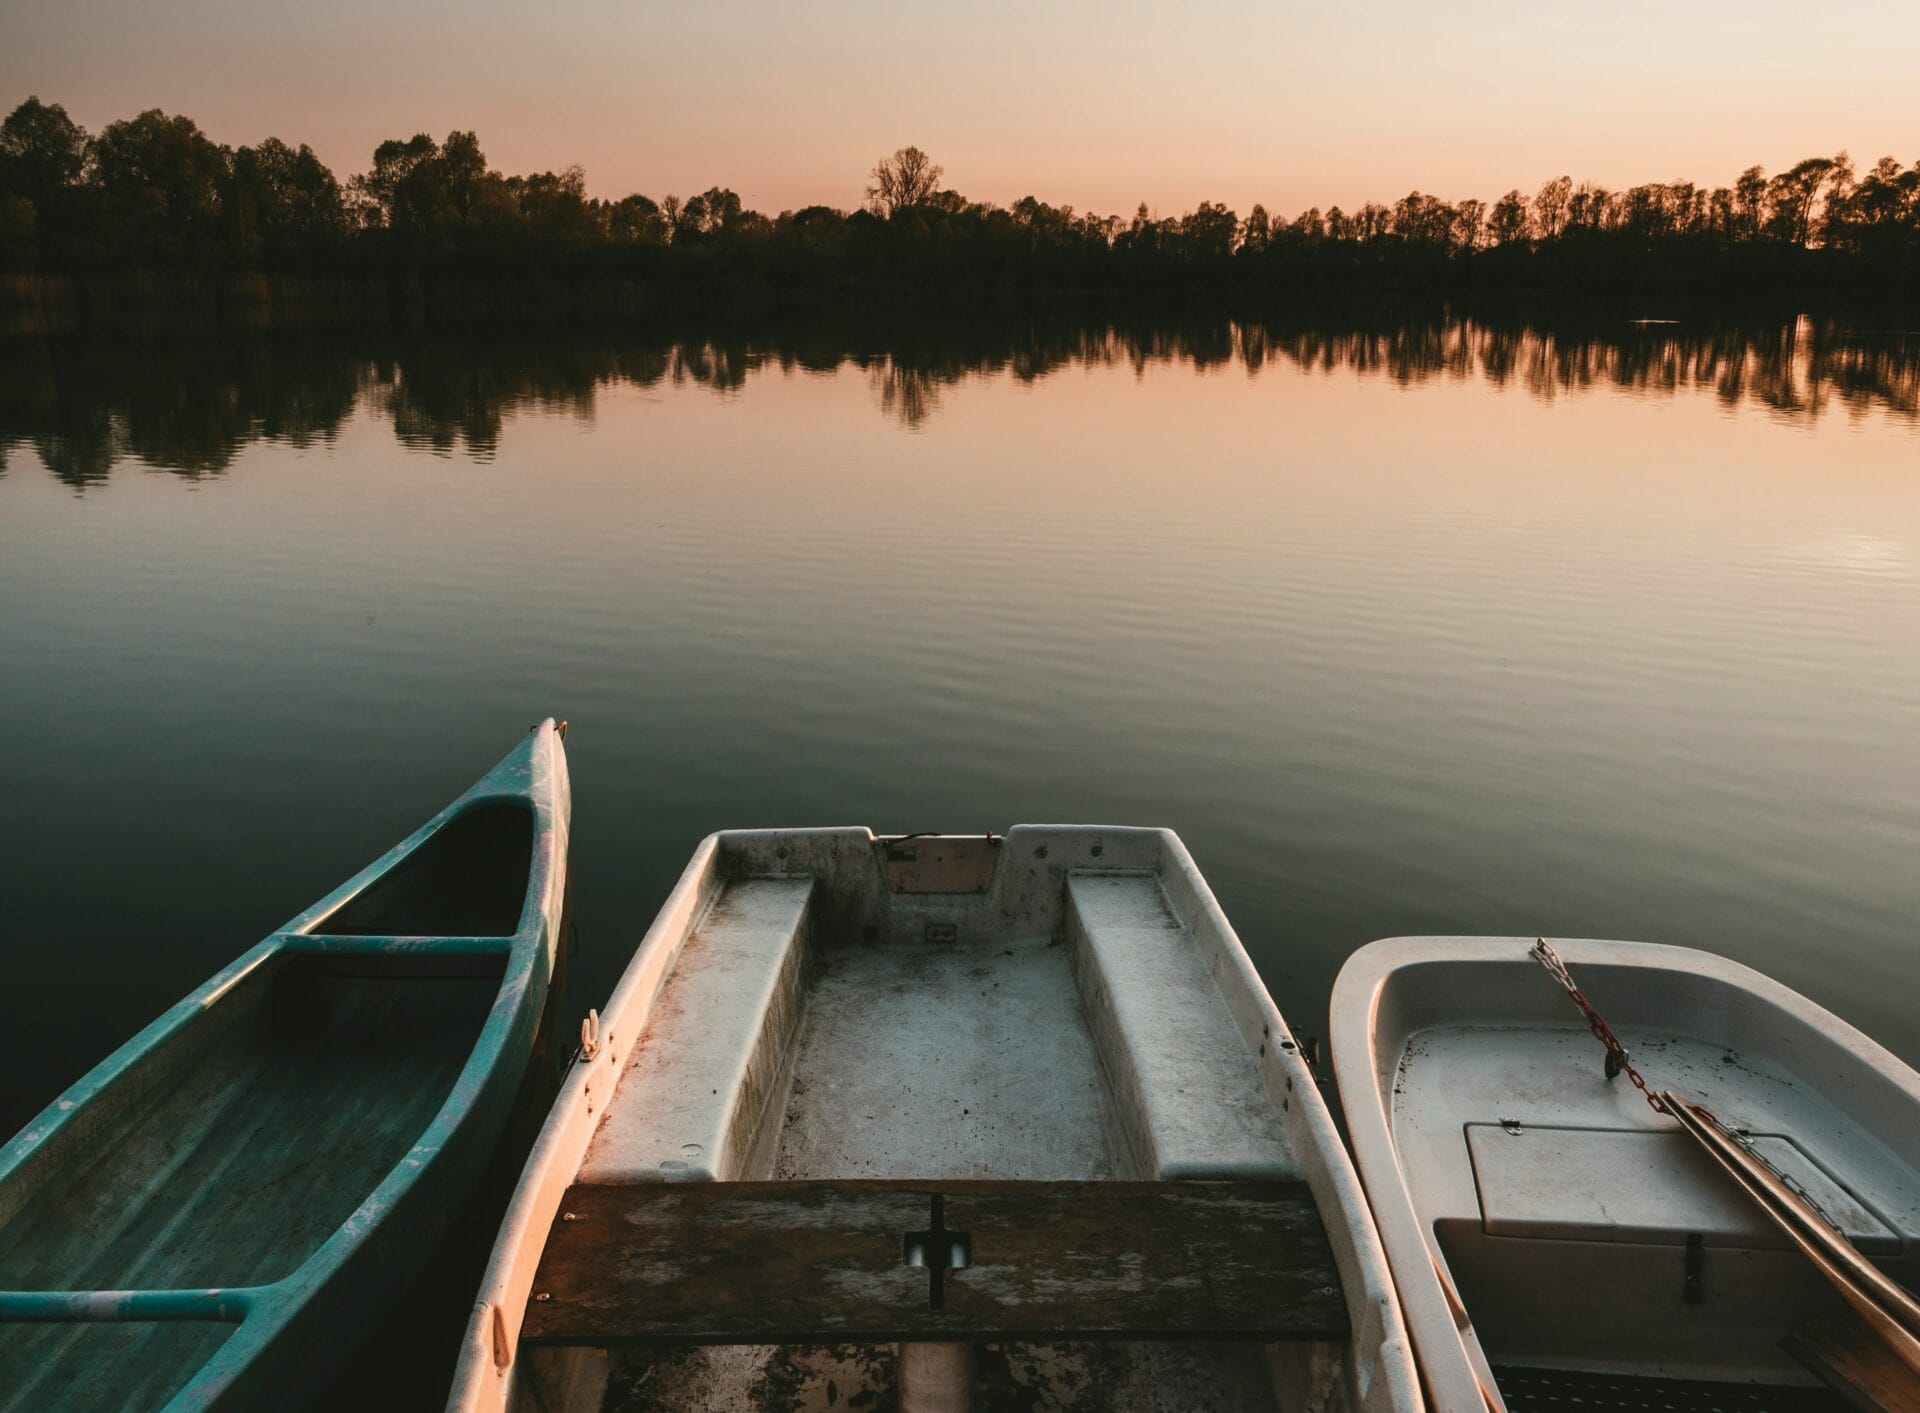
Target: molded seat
712 1053
1191 1100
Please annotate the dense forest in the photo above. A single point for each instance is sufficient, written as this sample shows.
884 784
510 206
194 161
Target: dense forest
153 195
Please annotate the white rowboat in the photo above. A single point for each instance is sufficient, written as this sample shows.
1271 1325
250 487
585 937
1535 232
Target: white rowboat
938 1121
1551 1235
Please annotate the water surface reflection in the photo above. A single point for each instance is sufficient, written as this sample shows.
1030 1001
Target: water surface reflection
1454 626
190 407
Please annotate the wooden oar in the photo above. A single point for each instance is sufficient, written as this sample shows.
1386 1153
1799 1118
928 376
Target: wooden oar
1855 1362
1886 1307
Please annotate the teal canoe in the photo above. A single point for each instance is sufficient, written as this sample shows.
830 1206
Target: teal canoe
219 1210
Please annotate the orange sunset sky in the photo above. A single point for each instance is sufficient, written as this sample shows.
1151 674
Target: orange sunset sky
1098 105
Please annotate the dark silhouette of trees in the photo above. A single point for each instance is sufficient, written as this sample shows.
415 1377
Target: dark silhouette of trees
285 210
378 189
1880 216
905 179
161 186
422 201
1469 224
556 213
153 194
1793 193
636 220
1550 208
1507 222
42 152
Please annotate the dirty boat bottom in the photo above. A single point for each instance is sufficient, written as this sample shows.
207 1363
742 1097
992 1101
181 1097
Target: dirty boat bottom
823 1379
951 1061
1556 1390
963 1062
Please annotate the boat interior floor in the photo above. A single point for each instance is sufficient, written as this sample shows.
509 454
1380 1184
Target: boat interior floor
225 1162
1562 1390
946 1060
237 1161
1576 1223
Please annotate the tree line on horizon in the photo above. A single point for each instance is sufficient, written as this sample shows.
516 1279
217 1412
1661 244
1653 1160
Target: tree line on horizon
152 193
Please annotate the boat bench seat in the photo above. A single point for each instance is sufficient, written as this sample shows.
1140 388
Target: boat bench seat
1187 1084
710 1059
875 1260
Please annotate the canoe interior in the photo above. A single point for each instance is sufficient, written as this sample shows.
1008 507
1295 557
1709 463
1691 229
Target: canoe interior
226 1158
1053 1006
468 880
138 1364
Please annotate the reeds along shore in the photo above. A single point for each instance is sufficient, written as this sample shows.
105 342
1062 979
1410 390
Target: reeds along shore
152 194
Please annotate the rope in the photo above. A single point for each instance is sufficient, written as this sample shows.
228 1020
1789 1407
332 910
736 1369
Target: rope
1617 1060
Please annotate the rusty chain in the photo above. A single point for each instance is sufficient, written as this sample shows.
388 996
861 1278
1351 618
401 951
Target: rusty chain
1543 953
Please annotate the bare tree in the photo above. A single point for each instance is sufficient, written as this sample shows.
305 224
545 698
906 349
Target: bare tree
1507 222
1550 207
1749 201
1793 192
905 179
1469 223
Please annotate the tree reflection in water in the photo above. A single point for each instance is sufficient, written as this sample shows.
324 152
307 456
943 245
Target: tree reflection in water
86 406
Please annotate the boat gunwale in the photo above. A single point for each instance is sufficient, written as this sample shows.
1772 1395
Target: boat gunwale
1374 1311
532 776
493 1326
1434 1313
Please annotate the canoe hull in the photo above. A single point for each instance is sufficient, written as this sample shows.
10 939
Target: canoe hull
231 1199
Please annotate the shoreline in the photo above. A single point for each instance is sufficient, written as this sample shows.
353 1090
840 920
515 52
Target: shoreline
32 305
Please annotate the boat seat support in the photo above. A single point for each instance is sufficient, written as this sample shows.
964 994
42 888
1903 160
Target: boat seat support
877 1261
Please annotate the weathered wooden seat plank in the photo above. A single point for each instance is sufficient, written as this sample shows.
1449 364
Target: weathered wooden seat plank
877 1261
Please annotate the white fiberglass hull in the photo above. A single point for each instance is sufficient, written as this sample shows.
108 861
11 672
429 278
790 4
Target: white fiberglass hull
1060 1003
1539 1216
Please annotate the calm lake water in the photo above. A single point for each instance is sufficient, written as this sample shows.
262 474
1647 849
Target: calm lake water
1440 628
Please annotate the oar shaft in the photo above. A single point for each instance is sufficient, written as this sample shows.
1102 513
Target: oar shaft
1889 1310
